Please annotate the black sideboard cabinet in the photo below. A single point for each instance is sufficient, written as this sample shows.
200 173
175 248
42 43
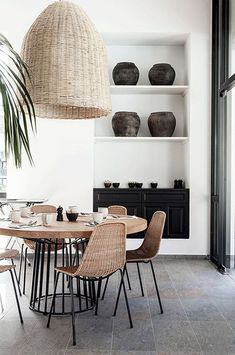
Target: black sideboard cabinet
144 202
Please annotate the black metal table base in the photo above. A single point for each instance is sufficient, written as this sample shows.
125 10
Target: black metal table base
48 255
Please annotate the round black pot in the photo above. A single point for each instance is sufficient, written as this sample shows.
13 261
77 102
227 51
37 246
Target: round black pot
125 124
125 73
161 124
161 74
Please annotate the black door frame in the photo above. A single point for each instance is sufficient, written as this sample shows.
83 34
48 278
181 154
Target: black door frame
221 84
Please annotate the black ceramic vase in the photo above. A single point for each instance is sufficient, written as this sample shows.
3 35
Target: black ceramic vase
161 124
162 74
125 73
125 124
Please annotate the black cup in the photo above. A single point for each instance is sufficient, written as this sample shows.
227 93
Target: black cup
72 217
178 184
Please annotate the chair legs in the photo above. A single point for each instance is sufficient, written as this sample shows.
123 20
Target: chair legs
53 299
72 310
122 283
16 296
105 287
21 261
107 280
155 282
141 284
98 296
17 280
25 270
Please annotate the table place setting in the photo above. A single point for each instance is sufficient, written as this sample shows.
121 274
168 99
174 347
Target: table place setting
21 225
121 217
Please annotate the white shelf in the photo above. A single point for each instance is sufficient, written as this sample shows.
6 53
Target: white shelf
149 89
142 139
143 38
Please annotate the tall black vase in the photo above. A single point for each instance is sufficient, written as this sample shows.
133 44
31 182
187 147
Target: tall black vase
125 124
162 74
125 73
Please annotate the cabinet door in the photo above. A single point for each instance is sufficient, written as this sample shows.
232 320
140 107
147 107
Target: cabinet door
177 219
148 211
177 224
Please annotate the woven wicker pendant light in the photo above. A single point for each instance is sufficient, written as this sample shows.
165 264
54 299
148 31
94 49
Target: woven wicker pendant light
67 61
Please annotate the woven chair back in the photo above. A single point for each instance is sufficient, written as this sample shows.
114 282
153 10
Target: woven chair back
106 251
31 244
117 209
43 209
153 236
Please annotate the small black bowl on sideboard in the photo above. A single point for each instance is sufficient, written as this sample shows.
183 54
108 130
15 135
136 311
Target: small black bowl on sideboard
153 185
116 185
138 185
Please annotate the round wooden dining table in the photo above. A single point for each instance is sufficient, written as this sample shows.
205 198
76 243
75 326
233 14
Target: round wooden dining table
60 244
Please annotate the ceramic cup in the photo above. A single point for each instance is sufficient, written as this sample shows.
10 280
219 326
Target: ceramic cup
24 211
15 216
103 210
47 219
98 217
73 209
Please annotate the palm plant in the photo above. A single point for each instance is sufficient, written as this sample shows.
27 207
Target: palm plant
18 109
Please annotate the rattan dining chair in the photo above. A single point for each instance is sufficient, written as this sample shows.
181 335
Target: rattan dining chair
104 255
4 268
117 209
10 254
147 251
30 244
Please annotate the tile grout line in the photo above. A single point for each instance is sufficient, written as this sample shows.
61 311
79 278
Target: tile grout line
146 291
185 313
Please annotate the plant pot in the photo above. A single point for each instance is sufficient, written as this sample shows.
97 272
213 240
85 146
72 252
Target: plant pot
153 185
161 74
131 185
116 185
125 124
161 124
125 73
138 185
107 184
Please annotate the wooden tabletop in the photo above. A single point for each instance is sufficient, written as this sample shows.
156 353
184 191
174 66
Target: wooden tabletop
66 229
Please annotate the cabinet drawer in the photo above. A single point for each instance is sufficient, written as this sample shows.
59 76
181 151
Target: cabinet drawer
163 196
113 198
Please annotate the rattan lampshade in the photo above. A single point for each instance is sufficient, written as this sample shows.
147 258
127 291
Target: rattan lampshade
67 61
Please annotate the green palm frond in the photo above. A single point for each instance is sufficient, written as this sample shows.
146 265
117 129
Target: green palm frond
18 109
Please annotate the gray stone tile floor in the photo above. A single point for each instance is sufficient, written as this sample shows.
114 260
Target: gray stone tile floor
199 316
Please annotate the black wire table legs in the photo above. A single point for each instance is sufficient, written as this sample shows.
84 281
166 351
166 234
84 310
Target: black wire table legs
49 254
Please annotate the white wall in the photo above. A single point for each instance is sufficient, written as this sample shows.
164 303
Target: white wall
180 16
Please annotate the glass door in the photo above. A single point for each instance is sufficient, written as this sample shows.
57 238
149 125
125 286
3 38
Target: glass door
223 134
